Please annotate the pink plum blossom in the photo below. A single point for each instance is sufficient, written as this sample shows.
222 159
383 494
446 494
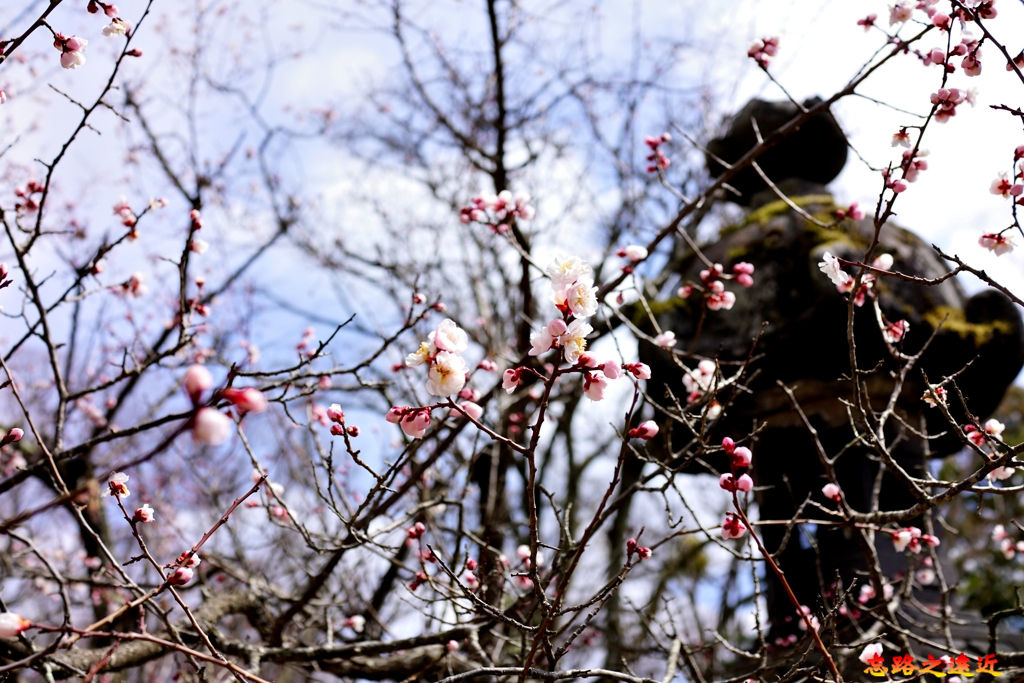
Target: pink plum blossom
732 527
740 457
449 337
894 332
666 340
996 242
1004 188
117 27
565 270
762 50
71 48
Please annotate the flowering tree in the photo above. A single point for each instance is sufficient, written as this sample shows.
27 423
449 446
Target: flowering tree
494 400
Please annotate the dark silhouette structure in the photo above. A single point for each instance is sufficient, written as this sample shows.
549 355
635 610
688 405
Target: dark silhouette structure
790 331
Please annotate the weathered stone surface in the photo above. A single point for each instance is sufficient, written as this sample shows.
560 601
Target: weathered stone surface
815 152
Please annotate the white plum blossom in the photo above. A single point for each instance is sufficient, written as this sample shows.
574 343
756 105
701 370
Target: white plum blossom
633 252
834 270
117 27
448 370
447 374
574 340
580 298
144 514
119 485
565 270
419 356
870 652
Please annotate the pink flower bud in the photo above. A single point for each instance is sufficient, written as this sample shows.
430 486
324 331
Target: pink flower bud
611 369
638 370
832 491
415 424
335 413
744 483
645 430
741 457
12 624
557 327
471 409
247 400
180 576
211 426
196 381
13 435
395 414
337 429
144 514
510 379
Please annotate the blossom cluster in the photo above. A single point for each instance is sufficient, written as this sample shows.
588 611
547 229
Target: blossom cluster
447 373
985 439
209 425
71 49
733 481
912 539
656 160
1007 546
712 285
497 211
575 296
892 332
763 50
442 353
